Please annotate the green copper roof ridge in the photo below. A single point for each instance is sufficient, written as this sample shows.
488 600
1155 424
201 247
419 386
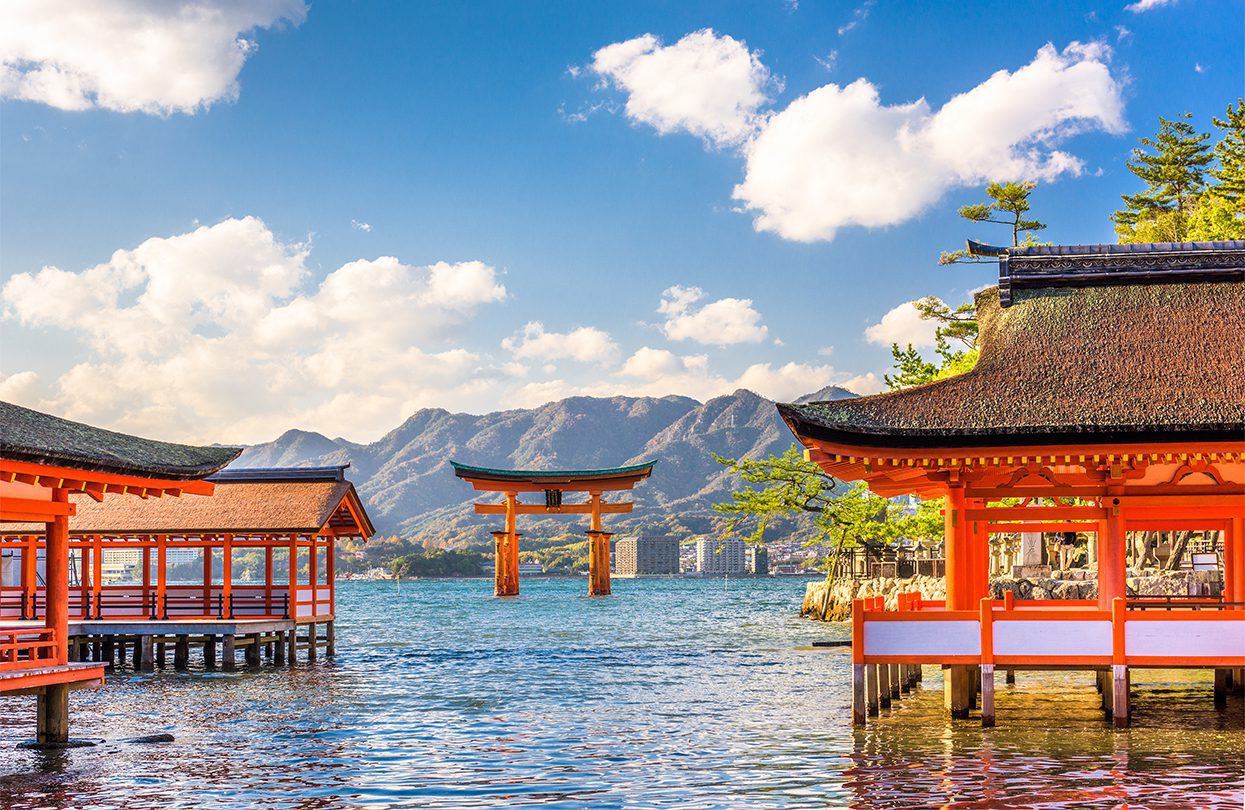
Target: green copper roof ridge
630 468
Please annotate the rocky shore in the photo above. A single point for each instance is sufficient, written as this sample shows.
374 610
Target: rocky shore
832 602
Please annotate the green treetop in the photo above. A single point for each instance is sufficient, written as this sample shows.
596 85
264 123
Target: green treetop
1230 152
1174 172
1008 205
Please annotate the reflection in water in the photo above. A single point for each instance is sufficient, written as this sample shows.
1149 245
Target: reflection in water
667 694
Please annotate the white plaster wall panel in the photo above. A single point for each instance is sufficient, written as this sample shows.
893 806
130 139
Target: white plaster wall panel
923 638
1041 637
1190 639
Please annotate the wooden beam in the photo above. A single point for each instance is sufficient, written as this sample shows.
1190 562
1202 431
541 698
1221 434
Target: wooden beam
565 509
1037 513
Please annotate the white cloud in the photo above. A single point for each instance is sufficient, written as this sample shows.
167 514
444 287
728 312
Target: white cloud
1145 5
1198 67
1122 33
659 372
839 156
859 15
216 335
587 344
829 61
146 56
21 388
711 86
903 325
724 322
360 226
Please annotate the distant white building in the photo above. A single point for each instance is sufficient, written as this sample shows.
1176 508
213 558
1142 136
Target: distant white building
718 557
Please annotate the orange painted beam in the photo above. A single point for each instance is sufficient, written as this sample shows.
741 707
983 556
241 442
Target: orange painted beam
51 476
565 509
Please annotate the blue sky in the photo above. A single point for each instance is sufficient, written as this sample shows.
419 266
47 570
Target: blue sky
561 218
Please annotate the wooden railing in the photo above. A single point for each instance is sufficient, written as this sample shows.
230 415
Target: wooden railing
1053 632
26 648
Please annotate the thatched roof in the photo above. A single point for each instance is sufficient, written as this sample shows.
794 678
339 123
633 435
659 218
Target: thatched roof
31 436
296 505
1139 362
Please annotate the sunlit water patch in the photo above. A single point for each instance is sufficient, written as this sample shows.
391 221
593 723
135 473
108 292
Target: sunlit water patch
670 693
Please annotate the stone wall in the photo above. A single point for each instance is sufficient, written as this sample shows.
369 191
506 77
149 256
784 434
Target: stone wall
832 602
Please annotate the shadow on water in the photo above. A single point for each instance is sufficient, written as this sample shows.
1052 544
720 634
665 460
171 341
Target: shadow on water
669 693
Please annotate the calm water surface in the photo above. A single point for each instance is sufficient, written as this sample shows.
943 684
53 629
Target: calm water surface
670 693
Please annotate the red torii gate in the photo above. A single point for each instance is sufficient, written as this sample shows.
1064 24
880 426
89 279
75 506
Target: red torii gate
554 484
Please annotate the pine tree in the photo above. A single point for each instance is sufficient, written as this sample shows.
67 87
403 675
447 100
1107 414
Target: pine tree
1009 202
1174 173
1230 152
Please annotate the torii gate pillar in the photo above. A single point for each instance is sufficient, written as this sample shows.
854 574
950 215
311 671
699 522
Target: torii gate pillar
506 563
599 562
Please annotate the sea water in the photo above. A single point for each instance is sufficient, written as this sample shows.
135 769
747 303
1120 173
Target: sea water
669 693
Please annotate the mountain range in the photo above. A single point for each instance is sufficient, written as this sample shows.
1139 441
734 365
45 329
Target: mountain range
410 490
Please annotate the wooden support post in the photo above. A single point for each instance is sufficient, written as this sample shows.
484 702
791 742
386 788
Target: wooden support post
291 644
892 673
229 659
144 654
53 716
312 633
120 652
1011 676
956 686
1119 696
209 652
330 638
278 650
884 687
859 706
252 650
987 695
181 653
160 659
874 690
107 650
1221 688
905 678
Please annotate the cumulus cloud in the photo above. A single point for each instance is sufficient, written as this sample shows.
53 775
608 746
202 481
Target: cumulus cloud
146 56
840 155
903 325
724 322
660 372
711 86
360 226
587 344
217 335
1145 5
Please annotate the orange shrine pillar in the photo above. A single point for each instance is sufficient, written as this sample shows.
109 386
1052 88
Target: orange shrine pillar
599 562
97 578
226 576
30 573
56 578
1111 555
162 575
53 701
979 537
506 563
1234 579
958 550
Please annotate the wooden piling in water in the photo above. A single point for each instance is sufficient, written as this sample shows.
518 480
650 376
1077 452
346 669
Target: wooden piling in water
181 653
312 633
987 695
144 652
252 650
1222 680
330 638
860 708
1119 696
873 690
229 659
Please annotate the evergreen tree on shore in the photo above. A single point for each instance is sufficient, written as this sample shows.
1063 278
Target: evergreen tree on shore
1174 172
